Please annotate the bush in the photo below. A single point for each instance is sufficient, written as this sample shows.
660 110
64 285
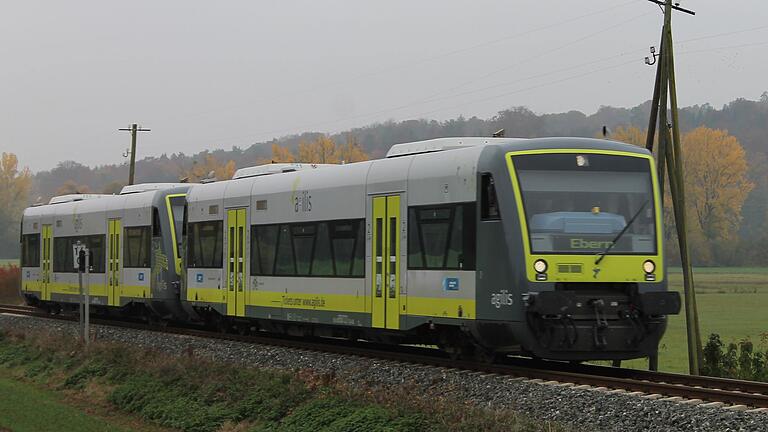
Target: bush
736 360
10 281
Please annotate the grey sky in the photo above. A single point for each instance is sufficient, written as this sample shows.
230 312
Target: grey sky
217 74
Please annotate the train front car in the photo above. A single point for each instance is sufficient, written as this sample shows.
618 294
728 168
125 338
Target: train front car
582 276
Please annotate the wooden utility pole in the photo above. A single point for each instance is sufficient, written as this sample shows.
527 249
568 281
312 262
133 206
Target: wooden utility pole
669 156
134 129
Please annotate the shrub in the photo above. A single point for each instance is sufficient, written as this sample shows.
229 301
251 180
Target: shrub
10 281
736 360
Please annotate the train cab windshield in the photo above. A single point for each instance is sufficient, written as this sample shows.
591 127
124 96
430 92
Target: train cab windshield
581 203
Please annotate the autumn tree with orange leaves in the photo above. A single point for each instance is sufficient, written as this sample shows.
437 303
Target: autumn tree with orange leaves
321 151
209 168
716 185
14 190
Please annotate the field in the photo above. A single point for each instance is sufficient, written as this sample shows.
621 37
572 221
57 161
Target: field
25 408
731 301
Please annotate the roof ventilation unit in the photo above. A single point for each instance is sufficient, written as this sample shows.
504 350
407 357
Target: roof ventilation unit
442 144
275 168
145 187
75 197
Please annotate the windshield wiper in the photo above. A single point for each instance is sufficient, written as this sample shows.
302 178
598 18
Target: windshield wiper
602 254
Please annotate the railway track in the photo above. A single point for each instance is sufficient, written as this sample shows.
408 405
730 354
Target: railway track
731 393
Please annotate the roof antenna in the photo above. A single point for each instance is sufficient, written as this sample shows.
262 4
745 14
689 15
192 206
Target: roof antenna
499 133
605 131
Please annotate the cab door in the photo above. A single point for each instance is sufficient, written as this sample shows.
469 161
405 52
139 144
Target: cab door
236 259
386 262
114 262
45 262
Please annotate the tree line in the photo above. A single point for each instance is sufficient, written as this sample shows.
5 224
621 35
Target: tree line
726 164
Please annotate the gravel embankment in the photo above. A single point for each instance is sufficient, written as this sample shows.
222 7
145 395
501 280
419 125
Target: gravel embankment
586 409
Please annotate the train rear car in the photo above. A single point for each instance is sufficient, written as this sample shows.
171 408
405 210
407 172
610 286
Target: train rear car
133 240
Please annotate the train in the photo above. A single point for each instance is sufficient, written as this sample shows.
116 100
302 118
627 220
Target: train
545 247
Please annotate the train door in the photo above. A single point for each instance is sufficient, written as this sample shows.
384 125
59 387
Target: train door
386 262
236 253
45 262
113 267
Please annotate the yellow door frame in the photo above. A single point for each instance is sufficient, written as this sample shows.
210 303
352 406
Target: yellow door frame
113 267
45 293
236 259
385 294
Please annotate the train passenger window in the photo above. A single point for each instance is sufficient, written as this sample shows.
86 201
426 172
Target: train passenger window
63 260
489 205
204 249
333 248
442 237
284 264
263 244
322 262
136 247
303 245
30 250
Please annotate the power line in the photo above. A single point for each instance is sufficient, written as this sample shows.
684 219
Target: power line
425 59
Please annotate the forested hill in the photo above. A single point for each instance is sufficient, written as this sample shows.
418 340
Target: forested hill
746 119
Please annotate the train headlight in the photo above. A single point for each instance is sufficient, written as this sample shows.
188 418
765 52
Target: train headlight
649 266
540 266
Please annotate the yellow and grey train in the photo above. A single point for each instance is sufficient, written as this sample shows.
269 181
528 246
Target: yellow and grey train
549 247
133 239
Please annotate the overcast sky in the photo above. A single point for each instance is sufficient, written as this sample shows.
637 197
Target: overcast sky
206 75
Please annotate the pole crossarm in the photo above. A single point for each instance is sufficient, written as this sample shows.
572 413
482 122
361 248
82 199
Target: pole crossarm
675 7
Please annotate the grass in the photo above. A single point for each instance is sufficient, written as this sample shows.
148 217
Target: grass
8 262
732 302
194 394
26 408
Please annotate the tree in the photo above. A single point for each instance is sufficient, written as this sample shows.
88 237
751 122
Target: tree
716 182
209 166
14 194
71 187
630 135
282 154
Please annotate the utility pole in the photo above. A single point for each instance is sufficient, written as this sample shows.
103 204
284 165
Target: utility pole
669 155
134 129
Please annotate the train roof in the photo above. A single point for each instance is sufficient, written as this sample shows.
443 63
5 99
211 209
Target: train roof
509 144
421 159
92 203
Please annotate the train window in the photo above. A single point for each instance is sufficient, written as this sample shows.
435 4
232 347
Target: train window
284 263
136 247
263 244
442 238
63 260
334 248
30 250
358 266
322 262
303 245
178 208
489 205
343 241
204 249
156 231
